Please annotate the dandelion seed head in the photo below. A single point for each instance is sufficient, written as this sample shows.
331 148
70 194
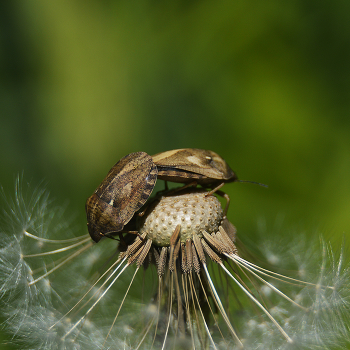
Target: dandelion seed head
190 220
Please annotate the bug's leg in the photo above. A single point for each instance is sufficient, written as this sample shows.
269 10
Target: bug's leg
109 235
215 189
142 213
127 238
190 184
167 192
133 233
123 245
146 206
166 189
174 190
221 194
227 197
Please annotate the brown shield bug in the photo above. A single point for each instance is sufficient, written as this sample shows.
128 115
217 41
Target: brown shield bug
125 189
196 166
188 165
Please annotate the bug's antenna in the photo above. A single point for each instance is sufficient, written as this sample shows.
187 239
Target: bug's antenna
253 182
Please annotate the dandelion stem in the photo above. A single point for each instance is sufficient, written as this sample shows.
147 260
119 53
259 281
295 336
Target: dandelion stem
222 309
261 279
95 303
121 304
158 310
72 256
197 328
92 286
200 310
259 304
55 241
211 309
59 250
170 307
187 306
269 273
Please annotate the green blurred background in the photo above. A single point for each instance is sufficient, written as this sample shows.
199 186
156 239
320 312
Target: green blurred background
263 83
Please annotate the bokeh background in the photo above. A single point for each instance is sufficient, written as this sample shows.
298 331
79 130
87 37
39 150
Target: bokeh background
266 84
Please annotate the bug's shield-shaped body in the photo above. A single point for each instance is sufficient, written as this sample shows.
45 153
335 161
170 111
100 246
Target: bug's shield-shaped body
192 164
125 189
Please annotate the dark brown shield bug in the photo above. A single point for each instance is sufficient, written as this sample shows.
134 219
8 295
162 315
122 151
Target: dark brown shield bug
125 189
188 165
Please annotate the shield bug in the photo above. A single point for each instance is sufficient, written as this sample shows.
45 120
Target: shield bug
125 189
188 165
194 166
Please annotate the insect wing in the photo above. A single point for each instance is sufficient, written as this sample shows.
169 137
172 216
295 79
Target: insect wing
129 184
124 190
207 164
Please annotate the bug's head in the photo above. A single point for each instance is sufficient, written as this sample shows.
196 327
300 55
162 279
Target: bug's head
94 232
102 218
220 168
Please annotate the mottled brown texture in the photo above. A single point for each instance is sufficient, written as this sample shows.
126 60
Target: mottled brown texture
192 164
124 190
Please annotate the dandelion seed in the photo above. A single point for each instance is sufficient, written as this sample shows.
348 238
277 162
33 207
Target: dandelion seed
197 290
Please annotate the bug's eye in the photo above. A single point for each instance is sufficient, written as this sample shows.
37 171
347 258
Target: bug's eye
209 161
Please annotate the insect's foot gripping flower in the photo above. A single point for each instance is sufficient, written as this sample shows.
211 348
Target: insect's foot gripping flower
180 282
